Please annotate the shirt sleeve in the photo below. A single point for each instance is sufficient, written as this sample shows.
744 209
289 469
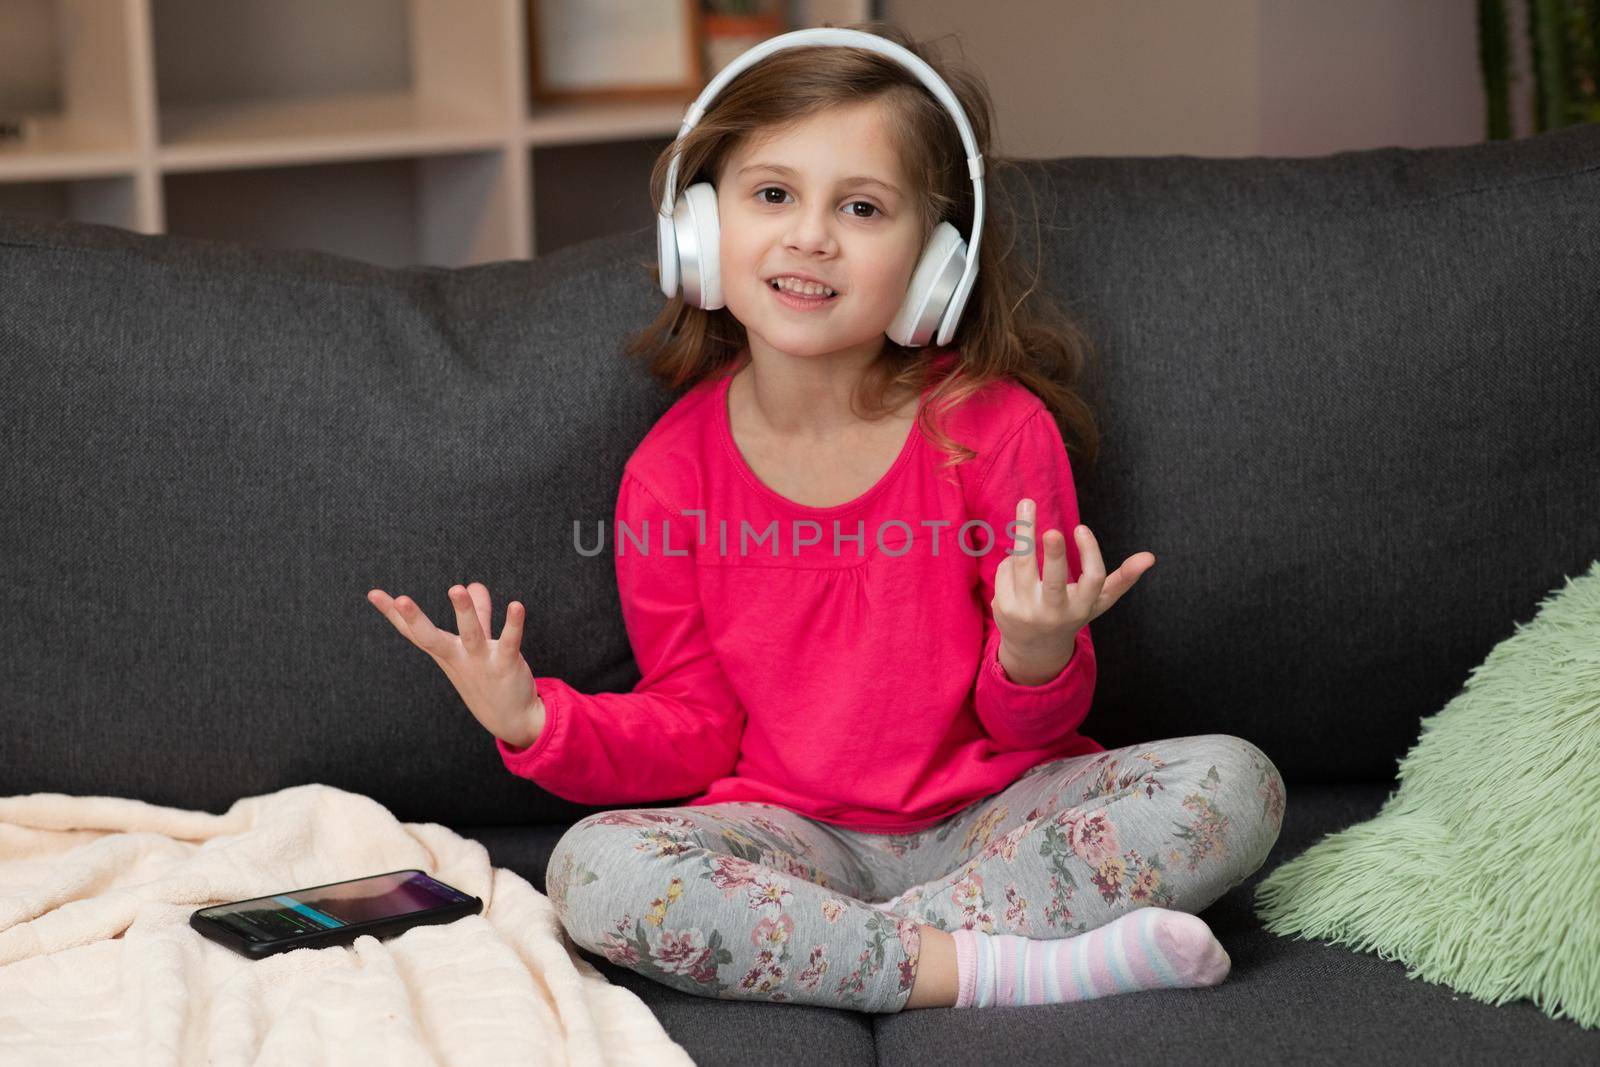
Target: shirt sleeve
1031 462
680 727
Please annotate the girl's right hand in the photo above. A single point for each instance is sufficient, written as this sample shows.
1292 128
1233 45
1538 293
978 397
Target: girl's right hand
491 675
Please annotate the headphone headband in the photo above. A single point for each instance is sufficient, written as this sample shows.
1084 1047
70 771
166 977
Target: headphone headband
829 35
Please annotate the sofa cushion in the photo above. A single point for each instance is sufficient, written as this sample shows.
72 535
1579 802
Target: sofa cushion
1479 871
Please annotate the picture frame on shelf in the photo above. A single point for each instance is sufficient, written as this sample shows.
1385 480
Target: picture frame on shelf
614 50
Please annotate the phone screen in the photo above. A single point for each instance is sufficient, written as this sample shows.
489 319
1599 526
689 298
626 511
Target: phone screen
329 907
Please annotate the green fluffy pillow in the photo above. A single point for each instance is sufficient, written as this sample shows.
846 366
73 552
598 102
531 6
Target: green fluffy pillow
1481 870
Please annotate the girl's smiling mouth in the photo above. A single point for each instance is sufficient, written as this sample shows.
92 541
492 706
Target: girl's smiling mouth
798 301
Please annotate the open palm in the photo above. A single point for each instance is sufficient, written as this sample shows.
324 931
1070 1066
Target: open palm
491 674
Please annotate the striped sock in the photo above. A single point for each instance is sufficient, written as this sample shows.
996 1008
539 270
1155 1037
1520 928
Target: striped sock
1147 948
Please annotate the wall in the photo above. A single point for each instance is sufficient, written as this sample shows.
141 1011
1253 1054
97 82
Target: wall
1219 77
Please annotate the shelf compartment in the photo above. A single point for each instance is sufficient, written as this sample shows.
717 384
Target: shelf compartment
106 201
285 82
447 211
68 65
583 191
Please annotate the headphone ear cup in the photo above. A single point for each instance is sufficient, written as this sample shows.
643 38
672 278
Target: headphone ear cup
698 237
667 255
933 284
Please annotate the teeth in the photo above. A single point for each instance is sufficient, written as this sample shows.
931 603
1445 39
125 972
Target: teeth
803 288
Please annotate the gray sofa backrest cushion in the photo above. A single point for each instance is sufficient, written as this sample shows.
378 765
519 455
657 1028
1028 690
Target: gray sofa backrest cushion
1350 405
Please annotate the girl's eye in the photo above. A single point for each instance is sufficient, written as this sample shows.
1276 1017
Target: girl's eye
775 189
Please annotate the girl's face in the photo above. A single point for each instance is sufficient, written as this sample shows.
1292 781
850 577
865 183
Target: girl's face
822 217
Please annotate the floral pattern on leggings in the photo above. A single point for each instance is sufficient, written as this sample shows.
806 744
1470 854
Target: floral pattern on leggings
756 869
748 900
1083 838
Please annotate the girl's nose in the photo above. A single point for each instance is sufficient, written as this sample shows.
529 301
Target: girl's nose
812 229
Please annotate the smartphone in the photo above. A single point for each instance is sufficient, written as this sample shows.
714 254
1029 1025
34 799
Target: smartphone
334 914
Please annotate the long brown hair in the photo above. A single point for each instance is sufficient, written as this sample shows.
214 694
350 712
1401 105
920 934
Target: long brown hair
1009 328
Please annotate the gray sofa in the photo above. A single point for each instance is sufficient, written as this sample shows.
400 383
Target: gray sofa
1350 402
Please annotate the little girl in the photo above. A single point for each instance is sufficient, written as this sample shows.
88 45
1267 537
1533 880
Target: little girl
857 662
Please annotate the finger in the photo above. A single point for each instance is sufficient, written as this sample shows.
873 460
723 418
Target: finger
1024 564
510 644
1092 569
1126 575
1055 565
386 607
485 609
1134 566
472 637
1091 564
422 632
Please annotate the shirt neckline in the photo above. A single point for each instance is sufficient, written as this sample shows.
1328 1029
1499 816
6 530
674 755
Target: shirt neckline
747 472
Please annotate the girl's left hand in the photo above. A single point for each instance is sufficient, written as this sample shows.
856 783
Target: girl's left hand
1039 618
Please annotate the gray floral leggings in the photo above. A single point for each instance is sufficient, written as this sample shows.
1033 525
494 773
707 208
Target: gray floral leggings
752 901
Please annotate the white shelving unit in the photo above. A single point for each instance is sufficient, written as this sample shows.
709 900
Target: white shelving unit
395 131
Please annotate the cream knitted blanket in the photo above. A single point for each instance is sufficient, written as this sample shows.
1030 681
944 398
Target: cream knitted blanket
98 963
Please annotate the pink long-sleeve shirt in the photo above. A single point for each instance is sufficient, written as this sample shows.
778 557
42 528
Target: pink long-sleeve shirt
855 681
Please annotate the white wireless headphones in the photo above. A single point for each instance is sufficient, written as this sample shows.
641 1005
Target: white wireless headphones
688 240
